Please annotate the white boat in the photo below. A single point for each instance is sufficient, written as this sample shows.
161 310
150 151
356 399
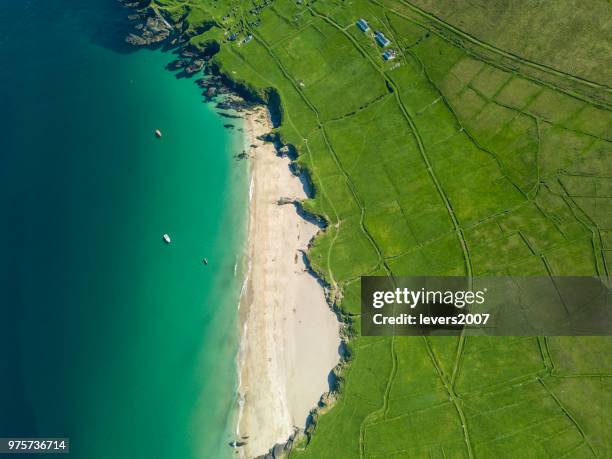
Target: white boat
167 239
158 133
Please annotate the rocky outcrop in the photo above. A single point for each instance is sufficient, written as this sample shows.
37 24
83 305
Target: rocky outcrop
284 200
150 27
233 103
195 66
152 30
282 450
188 53
177 64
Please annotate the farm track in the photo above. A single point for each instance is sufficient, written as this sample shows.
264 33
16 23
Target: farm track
569 415
600 264
453 396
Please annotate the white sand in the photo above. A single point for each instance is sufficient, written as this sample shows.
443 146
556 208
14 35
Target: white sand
290 342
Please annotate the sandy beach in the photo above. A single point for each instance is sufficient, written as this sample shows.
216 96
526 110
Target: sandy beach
290 337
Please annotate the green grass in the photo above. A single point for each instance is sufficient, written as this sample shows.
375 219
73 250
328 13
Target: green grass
537 32
465 155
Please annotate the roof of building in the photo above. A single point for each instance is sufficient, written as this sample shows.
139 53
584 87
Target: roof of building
363 24
381 39
389 55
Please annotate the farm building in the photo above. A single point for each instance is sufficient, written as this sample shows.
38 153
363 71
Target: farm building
389 55
381 39
363 25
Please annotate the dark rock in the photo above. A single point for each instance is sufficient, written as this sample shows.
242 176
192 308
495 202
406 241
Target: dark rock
229 115
278 451
285 200
234 104
133 5
195 66
187 53
154 29
177 64
282 450
136 40
328 399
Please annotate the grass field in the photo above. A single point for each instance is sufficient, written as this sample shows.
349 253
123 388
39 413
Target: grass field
470 153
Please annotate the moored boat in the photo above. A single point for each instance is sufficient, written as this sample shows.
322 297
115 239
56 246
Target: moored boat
166 239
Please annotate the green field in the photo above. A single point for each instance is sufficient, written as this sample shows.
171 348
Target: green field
476 151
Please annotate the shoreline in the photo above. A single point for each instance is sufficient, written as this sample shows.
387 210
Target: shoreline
289 336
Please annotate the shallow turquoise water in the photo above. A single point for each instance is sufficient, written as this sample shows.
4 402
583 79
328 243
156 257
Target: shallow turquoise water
107 335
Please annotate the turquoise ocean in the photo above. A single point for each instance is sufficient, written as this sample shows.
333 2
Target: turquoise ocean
108 336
